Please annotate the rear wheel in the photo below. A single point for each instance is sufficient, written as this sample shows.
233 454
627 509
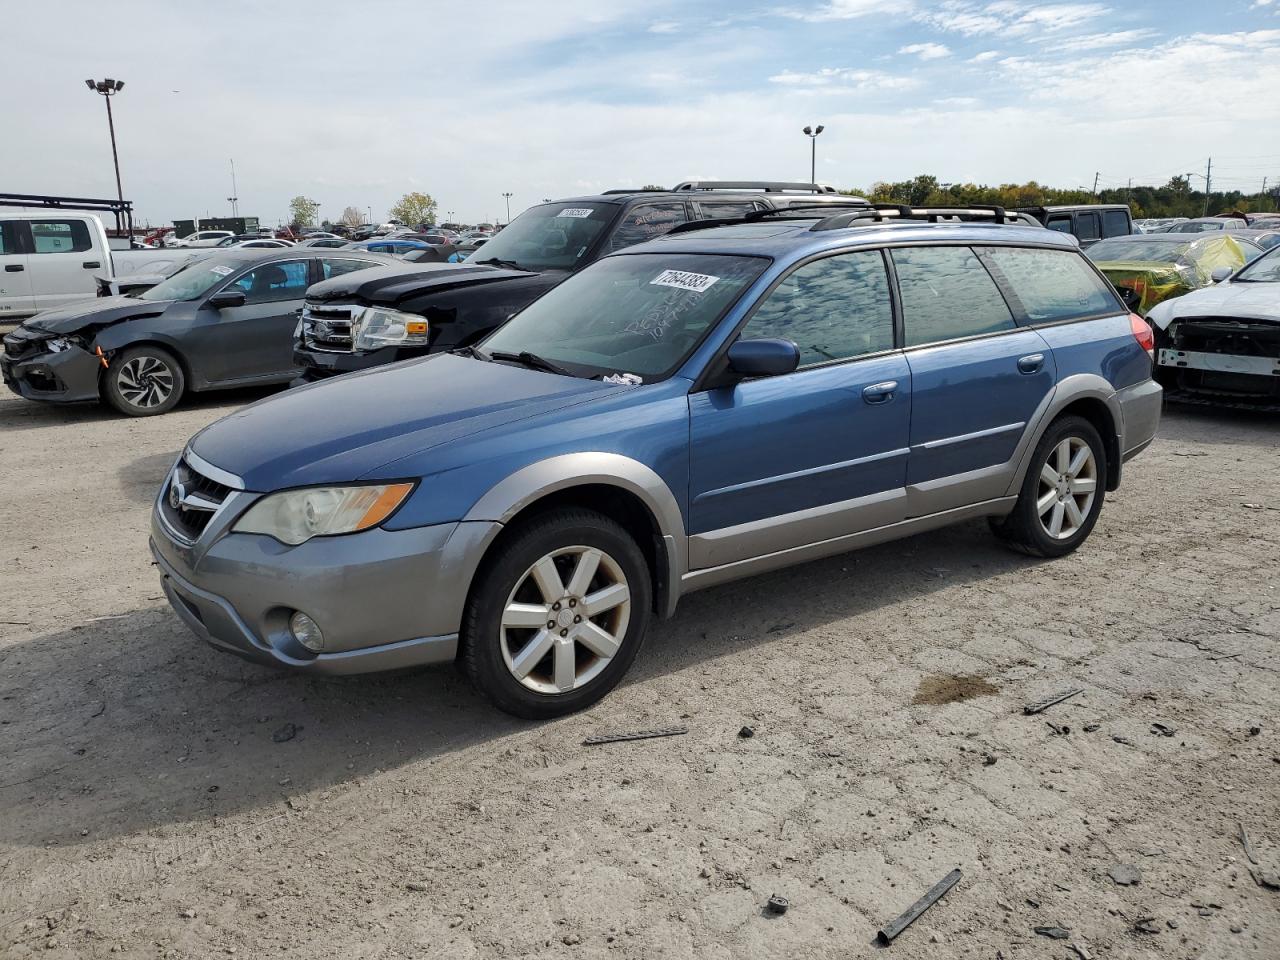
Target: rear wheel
144 381
1062 493
557 615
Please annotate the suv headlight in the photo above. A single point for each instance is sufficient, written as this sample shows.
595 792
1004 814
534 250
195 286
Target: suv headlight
295 516
376 327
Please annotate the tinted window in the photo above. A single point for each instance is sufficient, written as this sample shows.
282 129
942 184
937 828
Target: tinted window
1061 223
60 236
336 268
274 281
832 309
725 209
1115 223
8 237
645 221
1051 284
947 293
1087 226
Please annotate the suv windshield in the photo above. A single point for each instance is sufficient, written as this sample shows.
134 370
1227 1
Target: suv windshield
1136 248
193 282
641 314
553 236
1265 269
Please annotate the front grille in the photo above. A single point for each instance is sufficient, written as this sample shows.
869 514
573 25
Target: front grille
191 500
328 328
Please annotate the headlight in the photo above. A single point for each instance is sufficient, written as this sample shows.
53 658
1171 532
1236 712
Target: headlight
61 344
376 327
295 516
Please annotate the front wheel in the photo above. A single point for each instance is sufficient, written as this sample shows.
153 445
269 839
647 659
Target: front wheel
144 381
557 614
1062 493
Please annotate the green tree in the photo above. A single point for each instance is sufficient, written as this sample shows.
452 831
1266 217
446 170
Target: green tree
303 211
352 217
652 186
415 208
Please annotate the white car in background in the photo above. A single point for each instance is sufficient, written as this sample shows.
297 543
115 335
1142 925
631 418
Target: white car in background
1221 344
204 238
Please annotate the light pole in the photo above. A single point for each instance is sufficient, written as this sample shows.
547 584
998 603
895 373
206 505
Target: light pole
507 197
108 89
370 209
812 134
234 199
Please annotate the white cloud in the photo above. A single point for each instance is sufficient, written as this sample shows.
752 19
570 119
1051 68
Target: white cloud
926 51
963 102
664 26
984 57
844 80
1098 41
849 10
1014 18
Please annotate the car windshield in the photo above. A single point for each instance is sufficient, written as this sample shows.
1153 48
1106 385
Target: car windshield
553 236
1265 269
1197 226
1136 248
639 314
193 283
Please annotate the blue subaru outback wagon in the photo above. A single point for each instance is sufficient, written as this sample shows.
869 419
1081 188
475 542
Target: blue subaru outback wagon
712 405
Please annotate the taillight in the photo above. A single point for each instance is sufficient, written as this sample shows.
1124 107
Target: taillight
1143 333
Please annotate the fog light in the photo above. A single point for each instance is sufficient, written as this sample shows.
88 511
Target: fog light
307 632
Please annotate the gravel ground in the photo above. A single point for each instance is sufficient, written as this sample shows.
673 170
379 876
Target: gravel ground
158 799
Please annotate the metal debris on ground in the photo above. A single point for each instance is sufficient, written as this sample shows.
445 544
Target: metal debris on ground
936 892
777 904
1125 874
637 735
1054 933
1041 705
1244 842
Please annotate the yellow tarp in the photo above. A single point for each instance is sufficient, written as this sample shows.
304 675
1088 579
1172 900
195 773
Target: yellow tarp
1155 282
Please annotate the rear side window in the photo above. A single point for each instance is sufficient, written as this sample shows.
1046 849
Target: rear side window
1115 223
947 293
1087 226
832 309
1051 284
725 209
646 221
60 236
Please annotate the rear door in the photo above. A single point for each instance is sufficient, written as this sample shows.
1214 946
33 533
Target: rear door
256 340
977 378
63 261
15 278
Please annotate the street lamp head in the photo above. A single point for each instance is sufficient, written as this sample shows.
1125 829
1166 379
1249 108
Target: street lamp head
120 86
808 131
89 84
819 130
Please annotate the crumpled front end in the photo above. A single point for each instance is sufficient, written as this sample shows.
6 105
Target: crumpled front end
1221 360
39 366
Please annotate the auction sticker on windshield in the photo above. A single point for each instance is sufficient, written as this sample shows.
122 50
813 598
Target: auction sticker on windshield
682 280
220 270
578 213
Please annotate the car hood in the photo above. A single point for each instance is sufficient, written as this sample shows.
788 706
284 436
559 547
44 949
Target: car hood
390 285
1243 300
336 431
101 312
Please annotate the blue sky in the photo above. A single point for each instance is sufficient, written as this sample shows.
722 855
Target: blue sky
358 103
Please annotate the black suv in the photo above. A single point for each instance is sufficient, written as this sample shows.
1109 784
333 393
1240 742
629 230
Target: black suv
1087 222
380 316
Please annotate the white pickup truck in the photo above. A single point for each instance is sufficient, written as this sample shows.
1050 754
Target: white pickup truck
51 258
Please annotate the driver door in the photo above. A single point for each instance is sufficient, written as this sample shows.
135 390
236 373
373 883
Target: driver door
255 341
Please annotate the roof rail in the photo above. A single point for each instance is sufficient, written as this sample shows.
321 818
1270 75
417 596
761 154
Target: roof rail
122 209
768 186
609 193
883 212
798 212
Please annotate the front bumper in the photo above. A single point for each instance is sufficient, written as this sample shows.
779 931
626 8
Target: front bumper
66 377
383 599
321 364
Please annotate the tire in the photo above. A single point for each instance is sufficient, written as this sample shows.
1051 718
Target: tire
1043 522
537 672
144 381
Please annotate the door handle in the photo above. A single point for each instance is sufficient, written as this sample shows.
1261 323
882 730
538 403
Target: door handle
13 268
1032 363
91 264
880 392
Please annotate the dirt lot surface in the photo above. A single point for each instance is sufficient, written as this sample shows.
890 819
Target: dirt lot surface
159 799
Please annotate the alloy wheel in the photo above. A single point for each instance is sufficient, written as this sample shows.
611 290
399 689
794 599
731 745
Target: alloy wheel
1067 488
565 619
145 382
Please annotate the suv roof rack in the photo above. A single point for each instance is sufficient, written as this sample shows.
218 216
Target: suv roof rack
121 209
609 193
768 186
883 212
797 211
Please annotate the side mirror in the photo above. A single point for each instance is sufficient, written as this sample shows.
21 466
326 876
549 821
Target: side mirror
763 358
1221 274
226 298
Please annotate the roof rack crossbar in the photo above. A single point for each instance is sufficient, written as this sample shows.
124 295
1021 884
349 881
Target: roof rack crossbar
881 212
122 209
795 212
768 186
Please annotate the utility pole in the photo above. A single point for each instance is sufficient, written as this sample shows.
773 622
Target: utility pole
1208 184
1095 185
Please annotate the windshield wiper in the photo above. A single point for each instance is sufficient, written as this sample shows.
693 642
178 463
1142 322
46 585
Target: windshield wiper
531 360
499 262
471 352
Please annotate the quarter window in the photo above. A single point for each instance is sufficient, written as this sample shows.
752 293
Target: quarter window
274 281
60 236
947 293
1051 284
646 221
832 309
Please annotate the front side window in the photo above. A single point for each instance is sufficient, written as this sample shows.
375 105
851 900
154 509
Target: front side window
1061 223
1051 284
274 281
645 221
60 236
947 293
641 314
336 268
832 309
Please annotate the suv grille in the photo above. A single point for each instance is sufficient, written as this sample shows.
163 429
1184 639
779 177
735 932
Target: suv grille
328 328
191 500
